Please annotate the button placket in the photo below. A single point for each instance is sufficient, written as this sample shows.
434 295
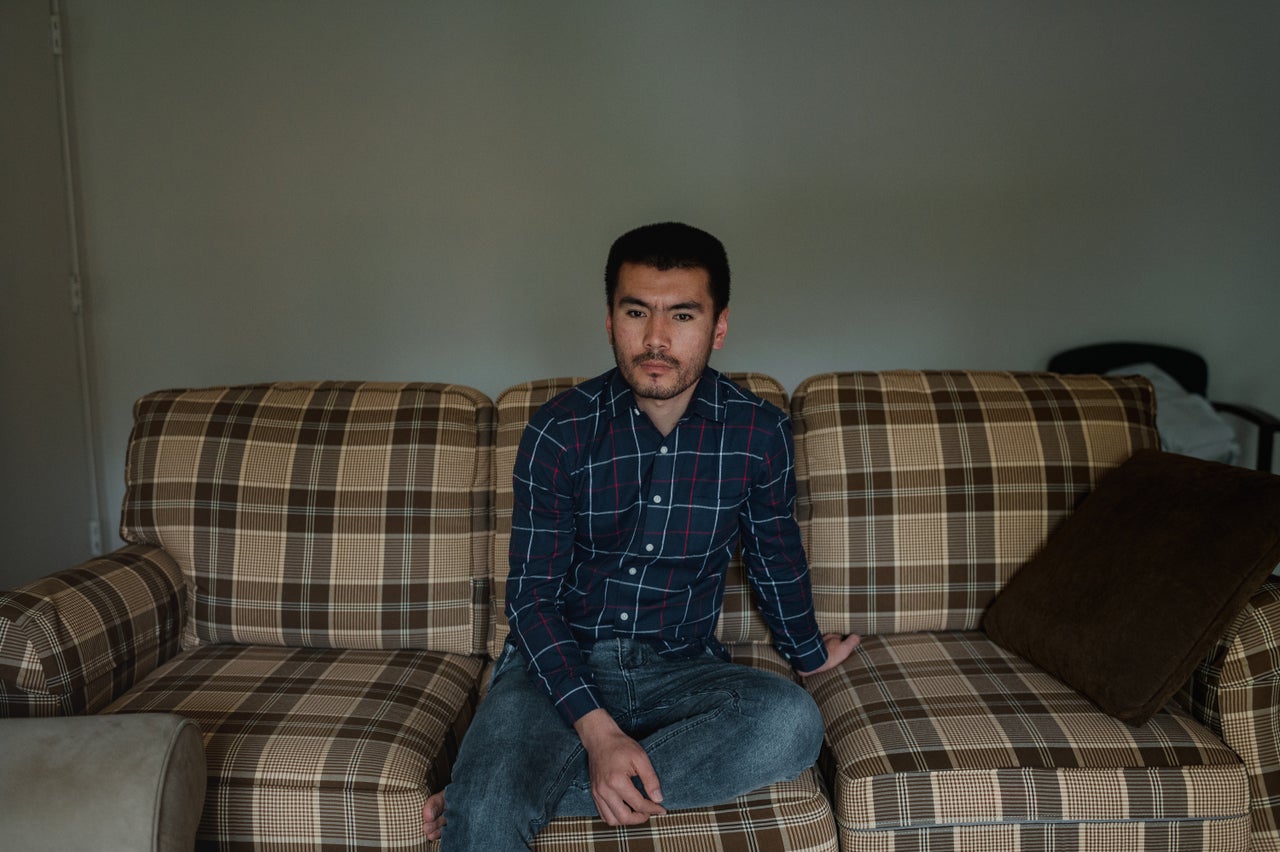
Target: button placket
653 519
663 469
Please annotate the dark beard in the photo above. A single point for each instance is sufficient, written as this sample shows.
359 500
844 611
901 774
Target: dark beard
632 373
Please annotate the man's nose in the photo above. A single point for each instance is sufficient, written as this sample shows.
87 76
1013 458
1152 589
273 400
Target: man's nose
656 334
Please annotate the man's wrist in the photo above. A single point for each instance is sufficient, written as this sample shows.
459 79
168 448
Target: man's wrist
595 726
813 659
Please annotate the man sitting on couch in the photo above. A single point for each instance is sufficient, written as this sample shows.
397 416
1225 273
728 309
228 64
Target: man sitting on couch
613 696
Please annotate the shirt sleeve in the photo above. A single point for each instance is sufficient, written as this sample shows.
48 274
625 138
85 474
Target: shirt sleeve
774 556
541 555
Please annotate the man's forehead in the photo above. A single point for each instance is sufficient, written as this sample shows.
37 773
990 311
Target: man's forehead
655 287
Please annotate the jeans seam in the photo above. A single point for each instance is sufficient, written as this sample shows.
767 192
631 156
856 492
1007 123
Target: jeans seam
681 728
557 788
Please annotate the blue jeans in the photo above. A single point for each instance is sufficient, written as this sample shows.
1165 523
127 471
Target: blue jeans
713 731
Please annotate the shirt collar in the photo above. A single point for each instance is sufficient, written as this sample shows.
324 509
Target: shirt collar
707 402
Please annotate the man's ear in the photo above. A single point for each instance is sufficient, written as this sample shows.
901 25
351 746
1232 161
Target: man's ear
608 325
722 328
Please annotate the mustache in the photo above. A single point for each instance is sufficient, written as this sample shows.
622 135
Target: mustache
650 357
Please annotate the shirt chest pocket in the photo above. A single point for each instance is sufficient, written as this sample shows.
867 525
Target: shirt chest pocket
699 522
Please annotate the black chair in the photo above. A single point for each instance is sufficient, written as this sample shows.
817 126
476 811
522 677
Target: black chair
1187 367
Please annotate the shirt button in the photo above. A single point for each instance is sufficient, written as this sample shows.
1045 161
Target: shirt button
657 498
647 547
631 571
662 450
624 616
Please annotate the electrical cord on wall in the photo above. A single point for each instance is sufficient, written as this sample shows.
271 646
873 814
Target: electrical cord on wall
87 396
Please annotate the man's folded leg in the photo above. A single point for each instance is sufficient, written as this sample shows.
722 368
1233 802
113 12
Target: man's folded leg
713 730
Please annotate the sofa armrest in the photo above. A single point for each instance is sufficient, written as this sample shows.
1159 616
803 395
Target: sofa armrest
72 642
108 783
1236 692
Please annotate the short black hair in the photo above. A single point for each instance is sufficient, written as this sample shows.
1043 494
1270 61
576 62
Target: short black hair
670 245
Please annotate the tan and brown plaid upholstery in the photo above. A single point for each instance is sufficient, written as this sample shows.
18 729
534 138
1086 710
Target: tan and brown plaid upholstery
788 816
333 542
1236 692
72 642
947 741
791 816
315 748
922 492
739 620
332 514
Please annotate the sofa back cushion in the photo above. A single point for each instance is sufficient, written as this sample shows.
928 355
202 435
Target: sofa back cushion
739 620
332 515
921 493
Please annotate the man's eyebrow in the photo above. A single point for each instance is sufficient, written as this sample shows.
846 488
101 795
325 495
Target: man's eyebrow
681 306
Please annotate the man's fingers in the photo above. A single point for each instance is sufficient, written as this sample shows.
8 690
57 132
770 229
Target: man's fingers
433 818
838 650
606 812
851 641
641 804
615 811
621 802
649 780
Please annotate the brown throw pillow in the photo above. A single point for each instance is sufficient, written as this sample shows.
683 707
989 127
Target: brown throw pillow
1131 591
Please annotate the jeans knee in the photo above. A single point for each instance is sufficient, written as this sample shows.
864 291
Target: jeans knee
791 725
806 722
816 727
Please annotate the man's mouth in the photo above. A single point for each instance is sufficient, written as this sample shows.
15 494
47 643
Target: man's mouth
654 369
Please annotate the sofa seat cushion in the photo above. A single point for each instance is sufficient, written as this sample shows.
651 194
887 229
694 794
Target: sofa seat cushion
311 748
945 740
791 815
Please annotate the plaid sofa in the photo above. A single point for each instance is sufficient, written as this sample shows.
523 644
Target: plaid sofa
306 579
313 573
921 493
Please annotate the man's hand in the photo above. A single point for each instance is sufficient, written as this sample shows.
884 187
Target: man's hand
838 650
433 816
615 759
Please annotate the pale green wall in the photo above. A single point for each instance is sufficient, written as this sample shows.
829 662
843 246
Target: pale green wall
46 500
423 190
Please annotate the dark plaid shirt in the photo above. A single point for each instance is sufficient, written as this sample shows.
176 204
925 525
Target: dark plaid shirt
620 531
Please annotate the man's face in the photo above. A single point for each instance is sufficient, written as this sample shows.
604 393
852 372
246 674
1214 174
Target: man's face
663 327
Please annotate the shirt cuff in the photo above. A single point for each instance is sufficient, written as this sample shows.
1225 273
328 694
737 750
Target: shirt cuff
809 658
578 701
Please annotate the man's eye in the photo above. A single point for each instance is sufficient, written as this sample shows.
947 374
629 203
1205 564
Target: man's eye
635 314
684 317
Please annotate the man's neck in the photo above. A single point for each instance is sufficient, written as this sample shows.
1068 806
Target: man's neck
666 413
